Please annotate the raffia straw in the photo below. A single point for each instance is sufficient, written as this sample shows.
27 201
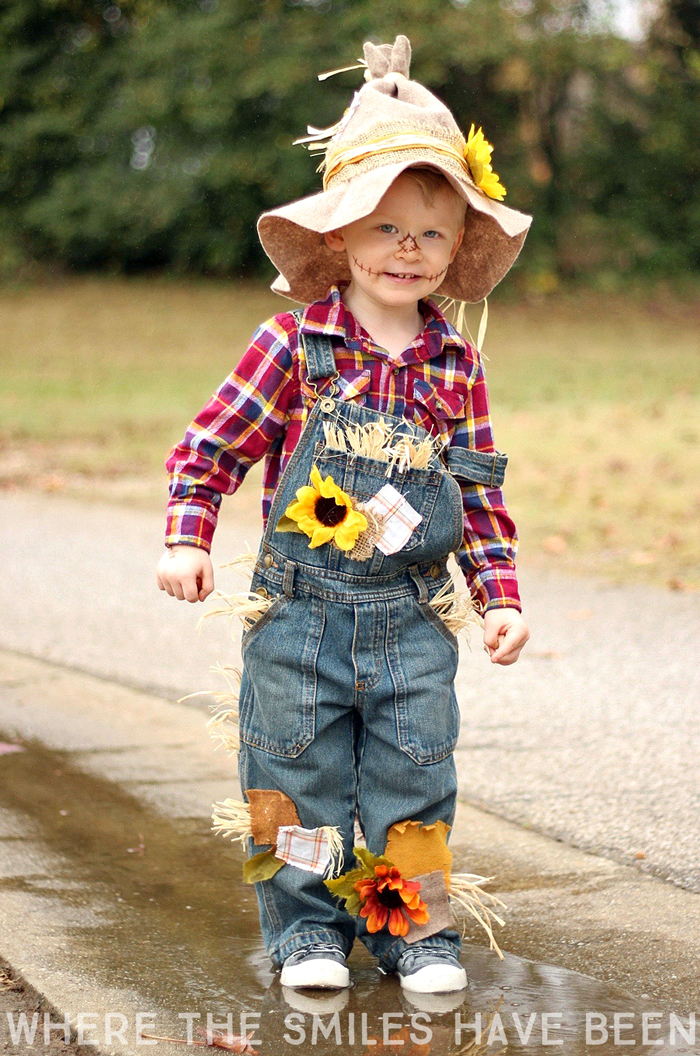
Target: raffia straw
223 725
456 609
246 605
378 441
231 818
465 892
459 320
244 562
335 847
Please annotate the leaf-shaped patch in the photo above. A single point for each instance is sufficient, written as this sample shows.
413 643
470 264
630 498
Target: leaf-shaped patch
286 524
369 860
261 867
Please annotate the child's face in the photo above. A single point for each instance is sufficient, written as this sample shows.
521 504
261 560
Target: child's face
402 237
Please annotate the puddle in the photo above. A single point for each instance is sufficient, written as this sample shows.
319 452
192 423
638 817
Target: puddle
165 917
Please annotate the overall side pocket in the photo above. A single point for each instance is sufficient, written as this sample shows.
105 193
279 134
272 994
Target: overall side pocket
277 708
423 664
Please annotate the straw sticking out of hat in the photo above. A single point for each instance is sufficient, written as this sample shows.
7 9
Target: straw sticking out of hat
392 123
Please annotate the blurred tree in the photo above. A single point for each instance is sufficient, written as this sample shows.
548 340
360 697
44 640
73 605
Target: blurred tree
152 133
641 162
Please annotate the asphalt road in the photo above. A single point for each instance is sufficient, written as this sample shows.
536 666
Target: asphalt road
592 737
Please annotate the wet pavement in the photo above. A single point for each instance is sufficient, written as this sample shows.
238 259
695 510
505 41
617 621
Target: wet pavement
148 916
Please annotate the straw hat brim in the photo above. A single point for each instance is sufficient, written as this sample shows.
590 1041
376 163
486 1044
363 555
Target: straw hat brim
292 236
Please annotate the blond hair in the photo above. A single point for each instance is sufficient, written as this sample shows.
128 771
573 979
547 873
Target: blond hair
432 182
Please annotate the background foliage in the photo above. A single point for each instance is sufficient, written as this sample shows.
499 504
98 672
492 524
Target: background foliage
152 133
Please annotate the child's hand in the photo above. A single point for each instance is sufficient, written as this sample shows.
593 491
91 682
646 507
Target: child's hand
505 633
186 572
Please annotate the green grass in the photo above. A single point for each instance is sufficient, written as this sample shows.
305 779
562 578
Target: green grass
596 398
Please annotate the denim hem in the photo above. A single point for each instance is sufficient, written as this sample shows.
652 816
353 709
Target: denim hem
306 938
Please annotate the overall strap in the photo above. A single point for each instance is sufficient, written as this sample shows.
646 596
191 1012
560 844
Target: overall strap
318 352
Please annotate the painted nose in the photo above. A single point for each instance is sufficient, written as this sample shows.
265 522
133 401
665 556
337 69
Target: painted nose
408 248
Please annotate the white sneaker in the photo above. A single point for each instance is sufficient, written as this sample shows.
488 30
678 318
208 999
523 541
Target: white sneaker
430 970
322 965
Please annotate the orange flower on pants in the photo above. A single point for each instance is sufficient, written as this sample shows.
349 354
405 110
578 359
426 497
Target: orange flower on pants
387 897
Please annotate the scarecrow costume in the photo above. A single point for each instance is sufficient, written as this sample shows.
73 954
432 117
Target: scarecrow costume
376 469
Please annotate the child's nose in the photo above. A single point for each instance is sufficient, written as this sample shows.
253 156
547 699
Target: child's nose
408 247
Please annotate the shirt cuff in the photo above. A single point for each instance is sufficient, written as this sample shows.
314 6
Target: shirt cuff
190 525
496 588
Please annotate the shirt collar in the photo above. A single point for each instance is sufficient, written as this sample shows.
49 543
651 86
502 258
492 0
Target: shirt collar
330 316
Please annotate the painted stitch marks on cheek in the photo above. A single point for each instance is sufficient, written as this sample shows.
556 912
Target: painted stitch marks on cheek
362 267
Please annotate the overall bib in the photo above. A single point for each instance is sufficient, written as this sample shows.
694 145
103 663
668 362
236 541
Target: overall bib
347 701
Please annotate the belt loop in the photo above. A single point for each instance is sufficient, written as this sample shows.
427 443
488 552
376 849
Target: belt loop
288 581
417 578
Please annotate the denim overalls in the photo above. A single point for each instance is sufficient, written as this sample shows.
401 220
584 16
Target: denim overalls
347 701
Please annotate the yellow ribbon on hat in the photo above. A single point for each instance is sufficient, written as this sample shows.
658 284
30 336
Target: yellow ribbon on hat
474 159
336 159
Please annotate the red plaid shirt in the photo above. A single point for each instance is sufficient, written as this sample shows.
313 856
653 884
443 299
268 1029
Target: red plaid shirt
260 409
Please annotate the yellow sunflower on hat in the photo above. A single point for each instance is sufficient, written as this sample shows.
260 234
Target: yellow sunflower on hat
325 513
478 156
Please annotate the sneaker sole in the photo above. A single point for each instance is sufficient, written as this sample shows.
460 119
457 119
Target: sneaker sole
319 974
435 979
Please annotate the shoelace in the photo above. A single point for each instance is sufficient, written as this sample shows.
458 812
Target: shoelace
418 952
318 947
325 947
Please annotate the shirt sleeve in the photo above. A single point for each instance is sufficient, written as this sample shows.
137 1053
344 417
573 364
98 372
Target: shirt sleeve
232 432
489 546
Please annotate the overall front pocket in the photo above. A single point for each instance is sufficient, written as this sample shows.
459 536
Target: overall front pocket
364 477
277 707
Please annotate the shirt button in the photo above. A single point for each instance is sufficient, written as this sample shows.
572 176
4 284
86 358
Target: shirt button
262 592
267 560
435 571
396 370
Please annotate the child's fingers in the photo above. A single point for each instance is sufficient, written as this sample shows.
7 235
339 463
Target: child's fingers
206 582
492 637
165 584
191 588
509 648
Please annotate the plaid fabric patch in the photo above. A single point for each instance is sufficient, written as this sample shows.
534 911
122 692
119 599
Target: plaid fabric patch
307 849
398 516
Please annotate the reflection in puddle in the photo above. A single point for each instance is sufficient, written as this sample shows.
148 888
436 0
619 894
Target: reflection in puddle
170 922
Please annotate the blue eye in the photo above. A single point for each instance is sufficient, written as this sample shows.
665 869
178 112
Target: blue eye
383 226
431 232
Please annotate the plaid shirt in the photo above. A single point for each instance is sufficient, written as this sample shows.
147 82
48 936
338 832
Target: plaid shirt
260 410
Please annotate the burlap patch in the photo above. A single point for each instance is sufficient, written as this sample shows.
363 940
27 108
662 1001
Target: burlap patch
434 893
268 810
366 541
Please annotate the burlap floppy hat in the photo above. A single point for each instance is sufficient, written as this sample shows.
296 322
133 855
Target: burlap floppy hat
392 123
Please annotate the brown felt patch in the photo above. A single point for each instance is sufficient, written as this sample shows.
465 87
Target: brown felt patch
414 848
268 810
434 893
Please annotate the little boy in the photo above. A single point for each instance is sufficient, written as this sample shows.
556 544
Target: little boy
347 703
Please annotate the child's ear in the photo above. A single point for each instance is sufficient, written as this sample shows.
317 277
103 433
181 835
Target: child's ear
335 240
456 244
